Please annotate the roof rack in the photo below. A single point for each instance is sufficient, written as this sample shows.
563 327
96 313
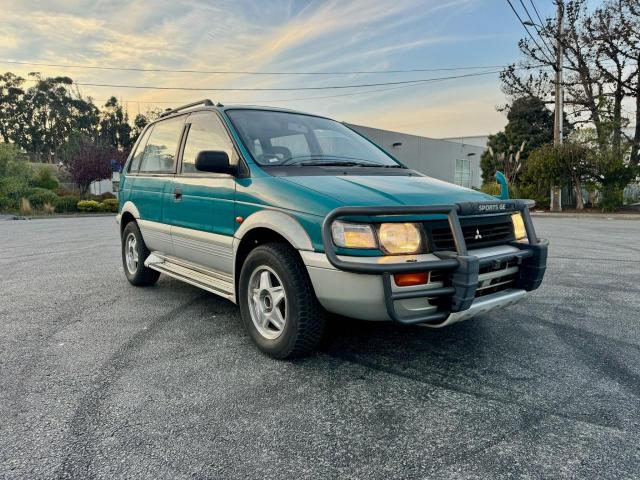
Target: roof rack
206 102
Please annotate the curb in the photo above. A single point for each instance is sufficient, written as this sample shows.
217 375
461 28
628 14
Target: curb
53 217
583 216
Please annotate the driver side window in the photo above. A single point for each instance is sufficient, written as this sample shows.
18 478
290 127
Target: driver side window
206 132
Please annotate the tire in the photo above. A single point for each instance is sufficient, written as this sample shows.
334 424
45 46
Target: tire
135 271
304 317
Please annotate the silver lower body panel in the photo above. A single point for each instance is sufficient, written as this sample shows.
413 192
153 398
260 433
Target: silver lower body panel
361 296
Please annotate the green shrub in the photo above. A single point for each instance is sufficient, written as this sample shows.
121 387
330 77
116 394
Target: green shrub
68 203
39 196
534 192
13 189
62 192
44 178
89 206
612 198
11 163
5 203
107 196
110 205
491 188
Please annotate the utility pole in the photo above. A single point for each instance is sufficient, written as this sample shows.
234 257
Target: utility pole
556 192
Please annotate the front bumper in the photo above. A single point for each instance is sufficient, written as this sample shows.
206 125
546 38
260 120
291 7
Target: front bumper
363 287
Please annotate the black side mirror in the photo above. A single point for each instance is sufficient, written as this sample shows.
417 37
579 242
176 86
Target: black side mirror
214 161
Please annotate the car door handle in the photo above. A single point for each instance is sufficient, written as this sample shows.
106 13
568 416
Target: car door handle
177 193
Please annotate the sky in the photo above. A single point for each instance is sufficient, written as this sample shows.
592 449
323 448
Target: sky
282 36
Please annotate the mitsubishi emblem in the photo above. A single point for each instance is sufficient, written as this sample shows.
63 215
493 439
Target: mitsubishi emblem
478 236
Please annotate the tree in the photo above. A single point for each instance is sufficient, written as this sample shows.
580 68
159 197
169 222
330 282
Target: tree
88 161
115 130
601 52
41 118
11 93
568 164
529 125
142 120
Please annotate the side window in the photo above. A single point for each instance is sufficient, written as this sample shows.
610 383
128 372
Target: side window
160 150
205 133
137 156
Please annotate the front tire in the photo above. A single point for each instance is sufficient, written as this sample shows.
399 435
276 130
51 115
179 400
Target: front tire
278 306
134 253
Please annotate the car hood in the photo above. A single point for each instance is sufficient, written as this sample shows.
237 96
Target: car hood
382 190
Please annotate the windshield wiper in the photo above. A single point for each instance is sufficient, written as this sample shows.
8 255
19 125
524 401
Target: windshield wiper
335 163
332 161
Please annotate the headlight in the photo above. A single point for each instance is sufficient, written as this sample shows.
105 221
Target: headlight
518 226
400 237
353 235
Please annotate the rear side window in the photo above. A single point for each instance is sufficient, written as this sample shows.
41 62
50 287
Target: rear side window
205 133
137 156
161 148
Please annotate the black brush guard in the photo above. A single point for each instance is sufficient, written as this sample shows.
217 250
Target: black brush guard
460 291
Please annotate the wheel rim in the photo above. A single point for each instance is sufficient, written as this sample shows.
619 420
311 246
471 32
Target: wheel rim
131 253
267 302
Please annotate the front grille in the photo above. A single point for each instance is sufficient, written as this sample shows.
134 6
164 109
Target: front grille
491 278
478 233
495 278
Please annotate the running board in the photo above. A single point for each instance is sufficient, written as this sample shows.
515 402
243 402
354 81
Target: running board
197 277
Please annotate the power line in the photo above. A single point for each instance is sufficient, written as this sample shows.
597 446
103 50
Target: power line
179 102
246 72
280 89
421 82
280 100
528 32
535 9
549 49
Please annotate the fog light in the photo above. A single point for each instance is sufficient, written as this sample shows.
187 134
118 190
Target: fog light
410 279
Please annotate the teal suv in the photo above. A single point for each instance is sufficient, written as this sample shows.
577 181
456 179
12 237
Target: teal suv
292 215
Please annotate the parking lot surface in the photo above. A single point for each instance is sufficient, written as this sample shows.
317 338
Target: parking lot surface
100 379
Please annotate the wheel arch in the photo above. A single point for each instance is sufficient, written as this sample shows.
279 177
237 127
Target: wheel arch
128 214
267 226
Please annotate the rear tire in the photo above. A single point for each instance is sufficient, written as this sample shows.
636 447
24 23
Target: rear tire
134 253
278 306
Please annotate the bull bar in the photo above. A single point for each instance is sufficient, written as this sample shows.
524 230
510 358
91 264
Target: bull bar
460 289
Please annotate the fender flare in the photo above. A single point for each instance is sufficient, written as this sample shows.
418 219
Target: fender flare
281 223
128 207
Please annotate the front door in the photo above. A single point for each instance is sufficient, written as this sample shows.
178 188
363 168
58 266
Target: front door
201 207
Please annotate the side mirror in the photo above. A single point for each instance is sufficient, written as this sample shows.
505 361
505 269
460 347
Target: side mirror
214 161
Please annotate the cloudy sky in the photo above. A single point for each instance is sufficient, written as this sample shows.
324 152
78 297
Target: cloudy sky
281 36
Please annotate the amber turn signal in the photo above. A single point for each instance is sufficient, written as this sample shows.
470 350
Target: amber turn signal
409 279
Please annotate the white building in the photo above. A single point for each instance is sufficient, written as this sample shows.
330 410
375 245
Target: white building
476 140
451 161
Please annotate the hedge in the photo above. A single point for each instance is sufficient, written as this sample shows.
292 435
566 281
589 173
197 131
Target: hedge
39 196
12 189
110 205
89 206
68 203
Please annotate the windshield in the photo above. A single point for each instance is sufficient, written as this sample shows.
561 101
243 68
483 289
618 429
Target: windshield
282 138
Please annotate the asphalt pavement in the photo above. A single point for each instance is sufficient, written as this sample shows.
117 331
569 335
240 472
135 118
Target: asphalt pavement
100 379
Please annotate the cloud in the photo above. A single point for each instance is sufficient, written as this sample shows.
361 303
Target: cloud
456 111
240 35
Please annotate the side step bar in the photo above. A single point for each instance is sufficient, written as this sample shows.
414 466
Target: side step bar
210 281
